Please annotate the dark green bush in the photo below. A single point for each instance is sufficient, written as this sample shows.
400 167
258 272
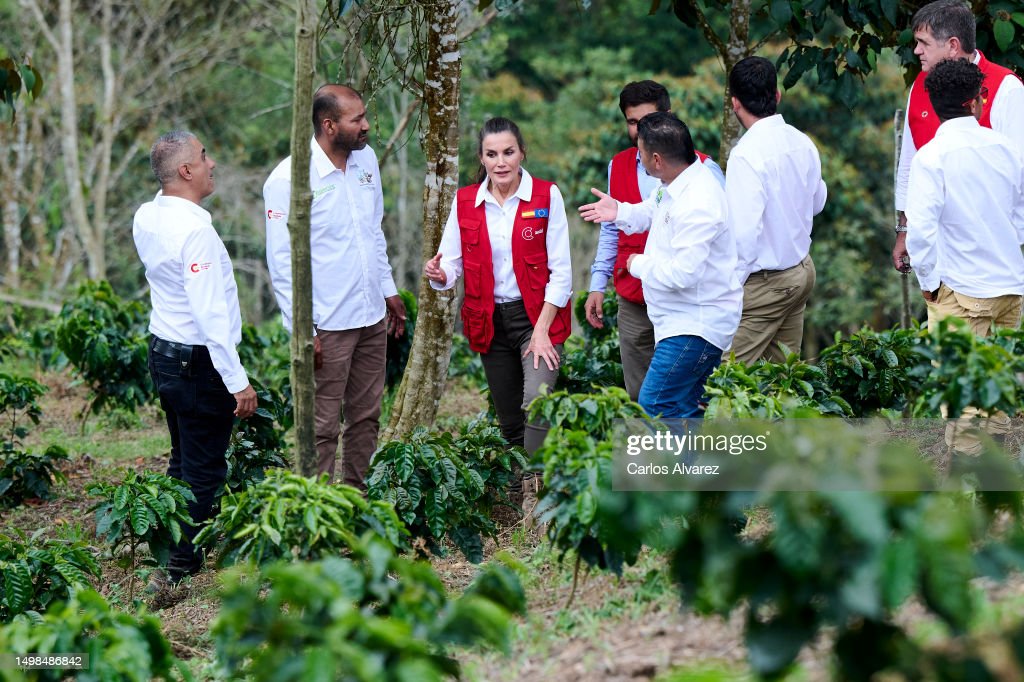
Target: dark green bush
36 572
287 516
443 485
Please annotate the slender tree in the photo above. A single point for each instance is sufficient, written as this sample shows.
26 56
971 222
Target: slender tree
303 391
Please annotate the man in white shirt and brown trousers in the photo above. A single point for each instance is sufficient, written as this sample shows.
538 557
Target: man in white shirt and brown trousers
965 221
355 299
774 188
195 327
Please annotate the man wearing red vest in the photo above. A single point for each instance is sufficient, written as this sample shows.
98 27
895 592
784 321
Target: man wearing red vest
629 182
946 30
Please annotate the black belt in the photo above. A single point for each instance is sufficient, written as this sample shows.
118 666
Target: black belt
181 352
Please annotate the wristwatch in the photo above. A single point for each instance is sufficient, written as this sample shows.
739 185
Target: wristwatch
900 228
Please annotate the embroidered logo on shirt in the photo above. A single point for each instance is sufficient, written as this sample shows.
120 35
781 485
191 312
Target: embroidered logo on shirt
274 215
528 233
536 213
365 178
658 197
198 267
323 190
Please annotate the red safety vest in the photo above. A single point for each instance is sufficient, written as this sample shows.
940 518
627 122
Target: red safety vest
529 262
924 122
624 186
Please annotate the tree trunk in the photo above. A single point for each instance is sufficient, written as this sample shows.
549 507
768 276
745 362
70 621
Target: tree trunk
736 49
423 383
303 390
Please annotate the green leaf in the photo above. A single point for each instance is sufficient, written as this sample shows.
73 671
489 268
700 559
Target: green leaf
781 11
772 646
1003 32
891 8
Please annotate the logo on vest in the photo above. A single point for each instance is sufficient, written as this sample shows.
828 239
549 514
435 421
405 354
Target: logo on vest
528 233
536 213
924 114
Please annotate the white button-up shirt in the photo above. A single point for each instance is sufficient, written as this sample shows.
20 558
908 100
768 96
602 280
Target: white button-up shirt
191 284
351 273
1006 116
688 267
500 220
774 189
965 211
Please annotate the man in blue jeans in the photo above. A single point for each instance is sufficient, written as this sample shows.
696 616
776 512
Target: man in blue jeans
194 327
688 267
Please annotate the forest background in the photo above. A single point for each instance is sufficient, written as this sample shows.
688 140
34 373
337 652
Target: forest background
224 71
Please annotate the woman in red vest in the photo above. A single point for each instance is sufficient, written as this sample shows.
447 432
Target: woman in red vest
509 236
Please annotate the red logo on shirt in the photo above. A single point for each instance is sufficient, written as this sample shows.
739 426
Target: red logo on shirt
196 267
274 215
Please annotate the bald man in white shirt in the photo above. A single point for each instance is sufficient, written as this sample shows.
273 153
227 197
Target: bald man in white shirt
774 189
355 300
965 221
195 327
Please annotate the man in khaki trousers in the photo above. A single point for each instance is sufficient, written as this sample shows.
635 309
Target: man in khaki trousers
965 224
774 189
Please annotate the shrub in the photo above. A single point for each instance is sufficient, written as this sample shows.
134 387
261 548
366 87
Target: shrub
466 363
872 370
835 560
594 359
258 443
398 348
105 339
265 353
442 485
593 412
962 370
24 475
769 390
372 616
145 509
120 646
35 572
287 516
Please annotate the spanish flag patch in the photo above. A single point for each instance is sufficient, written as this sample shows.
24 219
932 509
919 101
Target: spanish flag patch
536 213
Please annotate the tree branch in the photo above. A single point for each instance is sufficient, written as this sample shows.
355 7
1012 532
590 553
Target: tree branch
402 125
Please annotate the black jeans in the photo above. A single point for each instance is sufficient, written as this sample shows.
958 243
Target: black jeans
200 417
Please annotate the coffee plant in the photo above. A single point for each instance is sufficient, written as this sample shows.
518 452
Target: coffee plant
466 363
36 572
145 509
287 516
265 353
258 443
769 390
874 371
593 412
367 617
962 370
398 348
447 486
838 558
120 646
105 339
24 475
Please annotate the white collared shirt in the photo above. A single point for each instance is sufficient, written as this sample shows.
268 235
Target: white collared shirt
965 211
1005 116
774 189
191 284
500 219
688 267
351 273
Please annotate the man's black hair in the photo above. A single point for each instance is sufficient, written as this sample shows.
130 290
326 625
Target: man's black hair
754 82
663 133
951 85
644 92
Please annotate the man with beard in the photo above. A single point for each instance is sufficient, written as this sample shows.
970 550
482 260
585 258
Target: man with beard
355 300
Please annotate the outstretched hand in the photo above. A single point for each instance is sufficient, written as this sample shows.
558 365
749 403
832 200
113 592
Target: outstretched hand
433 271
604 210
